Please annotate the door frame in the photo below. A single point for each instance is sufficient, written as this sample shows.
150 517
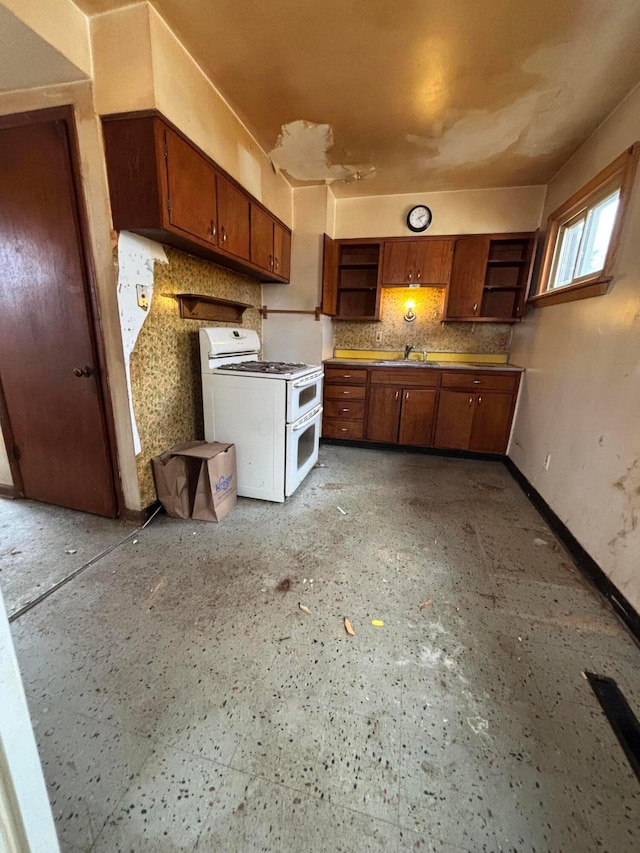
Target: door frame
66 114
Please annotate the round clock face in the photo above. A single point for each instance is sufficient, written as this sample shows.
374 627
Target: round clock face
419 218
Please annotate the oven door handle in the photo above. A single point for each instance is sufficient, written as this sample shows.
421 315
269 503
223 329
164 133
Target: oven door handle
308 380
306 421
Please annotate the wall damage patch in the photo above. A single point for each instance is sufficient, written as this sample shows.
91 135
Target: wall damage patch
136 261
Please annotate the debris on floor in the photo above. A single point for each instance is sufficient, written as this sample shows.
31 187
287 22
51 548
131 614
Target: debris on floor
377 622
304 608
14 552
71 551
285 585
539 542
341 510
426 603
478 724
348 627
320 465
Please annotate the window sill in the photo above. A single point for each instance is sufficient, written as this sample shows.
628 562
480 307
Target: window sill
573 292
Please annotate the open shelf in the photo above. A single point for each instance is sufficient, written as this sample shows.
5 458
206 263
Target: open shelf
357 286
197 306
359 264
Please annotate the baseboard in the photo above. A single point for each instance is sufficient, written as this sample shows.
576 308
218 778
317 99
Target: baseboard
583 560
10 492
140 516
423 451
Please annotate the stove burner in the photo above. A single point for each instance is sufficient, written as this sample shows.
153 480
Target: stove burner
266 366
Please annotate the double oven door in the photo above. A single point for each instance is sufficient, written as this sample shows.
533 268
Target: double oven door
302 444
304 395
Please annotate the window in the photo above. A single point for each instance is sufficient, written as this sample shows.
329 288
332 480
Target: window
583 235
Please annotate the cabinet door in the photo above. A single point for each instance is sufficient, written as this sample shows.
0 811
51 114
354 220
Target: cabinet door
233 219
329 276
261 238
416 419
464 295
433 261
396 262
191 182
454 420
491 423
383 414
281 251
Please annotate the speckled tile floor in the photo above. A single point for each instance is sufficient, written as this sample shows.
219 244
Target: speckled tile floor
182 702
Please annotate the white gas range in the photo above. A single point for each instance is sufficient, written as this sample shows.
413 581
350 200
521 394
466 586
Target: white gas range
271 411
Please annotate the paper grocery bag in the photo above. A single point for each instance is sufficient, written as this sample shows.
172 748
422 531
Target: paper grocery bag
216 491
176 479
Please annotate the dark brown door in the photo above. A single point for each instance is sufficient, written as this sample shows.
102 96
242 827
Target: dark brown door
384 414
454 420
416 420
281 251
464 296
261 238
329 276
55 416
433 261
491 423
233 219
192 189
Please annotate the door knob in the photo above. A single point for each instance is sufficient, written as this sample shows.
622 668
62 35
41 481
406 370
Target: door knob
83 371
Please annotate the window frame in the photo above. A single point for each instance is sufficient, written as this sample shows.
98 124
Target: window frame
620 173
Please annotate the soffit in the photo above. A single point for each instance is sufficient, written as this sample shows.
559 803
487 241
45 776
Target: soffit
414 96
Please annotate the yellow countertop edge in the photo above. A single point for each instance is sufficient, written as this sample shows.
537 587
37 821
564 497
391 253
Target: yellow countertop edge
454 357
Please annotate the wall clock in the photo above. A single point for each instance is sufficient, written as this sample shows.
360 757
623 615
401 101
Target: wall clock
419 218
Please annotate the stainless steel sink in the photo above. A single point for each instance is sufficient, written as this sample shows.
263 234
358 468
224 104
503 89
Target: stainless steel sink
401 362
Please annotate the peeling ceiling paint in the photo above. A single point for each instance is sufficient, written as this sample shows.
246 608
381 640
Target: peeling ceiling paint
302 152
436 96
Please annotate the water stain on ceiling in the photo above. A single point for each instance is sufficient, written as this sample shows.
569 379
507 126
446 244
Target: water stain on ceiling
389 98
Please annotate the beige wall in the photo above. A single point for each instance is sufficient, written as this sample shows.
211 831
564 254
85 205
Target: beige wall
459 212
581 394
61 24
97 205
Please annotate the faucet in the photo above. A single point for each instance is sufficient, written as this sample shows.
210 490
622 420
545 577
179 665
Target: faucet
407 351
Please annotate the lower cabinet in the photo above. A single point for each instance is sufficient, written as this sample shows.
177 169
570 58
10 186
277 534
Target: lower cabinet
401 415
416 407
474 421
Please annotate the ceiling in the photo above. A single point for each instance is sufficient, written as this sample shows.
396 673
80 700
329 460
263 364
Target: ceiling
417 95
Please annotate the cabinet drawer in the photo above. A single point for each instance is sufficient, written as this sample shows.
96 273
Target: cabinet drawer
338 428
421 377
345 375
344 409
342 392
472 381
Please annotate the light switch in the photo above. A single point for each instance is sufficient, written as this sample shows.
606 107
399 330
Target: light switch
142 291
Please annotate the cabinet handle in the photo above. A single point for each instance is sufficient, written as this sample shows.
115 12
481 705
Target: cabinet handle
471 401
347 409
406 395
224 234
475 307
477 381
409 276
479 400
213 228
346 376
397 394
418 275
346 392
277 263
271 261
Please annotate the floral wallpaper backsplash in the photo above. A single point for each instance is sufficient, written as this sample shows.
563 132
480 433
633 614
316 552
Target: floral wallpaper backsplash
165 363
426 332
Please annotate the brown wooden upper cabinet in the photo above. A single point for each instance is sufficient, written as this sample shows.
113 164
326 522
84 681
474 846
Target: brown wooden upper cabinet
165 188
350 279
490 277
270 243
425 262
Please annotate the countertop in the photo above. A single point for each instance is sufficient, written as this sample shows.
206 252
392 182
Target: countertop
422 365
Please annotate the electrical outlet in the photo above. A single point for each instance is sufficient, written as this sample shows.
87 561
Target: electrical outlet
142 295
547 461
378 336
